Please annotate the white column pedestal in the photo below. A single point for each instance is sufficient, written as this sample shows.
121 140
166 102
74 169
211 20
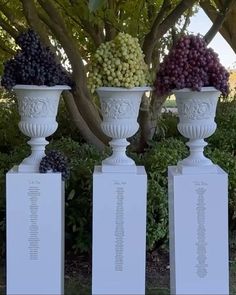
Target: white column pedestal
198 218
119 232
35 233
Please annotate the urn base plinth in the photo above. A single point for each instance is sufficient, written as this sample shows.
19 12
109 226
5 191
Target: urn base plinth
184 169
107 168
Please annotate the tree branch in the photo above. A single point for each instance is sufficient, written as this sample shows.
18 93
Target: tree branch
80 123
33 20
110 31
219 20
159 29
58 27
172 18
8 28
5 48
149 41
8 14
80 92
90 29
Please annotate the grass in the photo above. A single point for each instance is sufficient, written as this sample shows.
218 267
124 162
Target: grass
74 287
82 286
170 102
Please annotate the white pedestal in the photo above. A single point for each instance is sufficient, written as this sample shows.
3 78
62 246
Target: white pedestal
35 233
119 232
198 218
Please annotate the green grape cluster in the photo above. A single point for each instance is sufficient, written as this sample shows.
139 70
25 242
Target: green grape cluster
119 63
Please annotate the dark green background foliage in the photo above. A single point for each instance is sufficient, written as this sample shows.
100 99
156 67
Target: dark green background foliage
167 149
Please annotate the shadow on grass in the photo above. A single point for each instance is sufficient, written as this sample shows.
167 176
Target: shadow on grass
74 288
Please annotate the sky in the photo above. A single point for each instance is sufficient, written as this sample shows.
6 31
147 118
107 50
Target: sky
200 23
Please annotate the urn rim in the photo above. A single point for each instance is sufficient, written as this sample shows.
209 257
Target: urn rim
123 89
40 87
203 89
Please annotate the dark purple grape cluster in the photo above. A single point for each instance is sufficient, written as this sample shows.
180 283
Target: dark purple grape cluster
191 64
55 161
34 64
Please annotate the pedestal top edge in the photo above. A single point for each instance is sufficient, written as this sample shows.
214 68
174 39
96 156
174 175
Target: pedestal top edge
14 170
174 171
140 171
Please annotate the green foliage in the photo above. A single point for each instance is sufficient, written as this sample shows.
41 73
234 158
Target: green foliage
167 126
95 4
66 128
228 163
79 192
225 135
156 160
10 136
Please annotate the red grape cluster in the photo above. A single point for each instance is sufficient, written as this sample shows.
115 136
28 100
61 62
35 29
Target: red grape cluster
34 64
191 64
55 161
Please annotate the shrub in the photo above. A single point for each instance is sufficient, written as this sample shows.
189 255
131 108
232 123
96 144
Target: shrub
167 126
10 135
225 136
228 163
82 159
156 161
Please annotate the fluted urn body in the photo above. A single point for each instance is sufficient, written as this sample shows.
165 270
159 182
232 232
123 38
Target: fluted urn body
120 108
38 106
196 111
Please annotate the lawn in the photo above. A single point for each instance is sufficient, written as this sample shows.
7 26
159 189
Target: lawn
170 102
75 287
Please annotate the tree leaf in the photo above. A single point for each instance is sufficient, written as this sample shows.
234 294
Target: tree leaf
71 195
95 4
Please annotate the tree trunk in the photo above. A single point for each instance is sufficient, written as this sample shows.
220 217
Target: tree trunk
79 122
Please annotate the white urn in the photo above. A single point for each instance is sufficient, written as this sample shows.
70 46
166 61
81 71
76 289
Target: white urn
37 107
196 111
120 108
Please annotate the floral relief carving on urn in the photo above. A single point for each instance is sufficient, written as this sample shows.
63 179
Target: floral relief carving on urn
196 110
34 107
118 108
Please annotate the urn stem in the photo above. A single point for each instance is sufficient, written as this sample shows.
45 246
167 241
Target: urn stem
118 156
31 163
196 157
